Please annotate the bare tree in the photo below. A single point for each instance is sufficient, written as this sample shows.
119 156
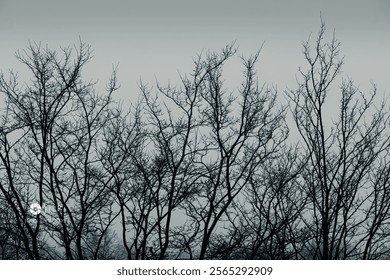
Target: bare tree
174 123
207 145
348 159
51 137
243 130
266 222
196 170
125 163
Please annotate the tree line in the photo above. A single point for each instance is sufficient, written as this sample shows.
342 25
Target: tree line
195 170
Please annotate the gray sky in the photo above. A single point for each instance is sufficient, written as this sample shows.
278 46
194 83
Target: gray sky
159 38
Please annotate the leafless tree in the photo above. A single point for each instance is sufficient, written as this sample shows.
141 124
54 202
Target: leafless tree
174 122
51 137
265 223
197 170
242 131
207 144
345 178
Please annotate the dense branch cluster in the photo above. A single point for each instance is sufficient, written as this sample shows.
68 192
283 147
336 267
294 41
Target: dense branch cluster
194 171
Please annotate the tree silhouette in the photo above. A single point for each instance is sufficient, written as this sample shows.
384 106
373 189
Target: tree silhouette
51 134
348 211
194 170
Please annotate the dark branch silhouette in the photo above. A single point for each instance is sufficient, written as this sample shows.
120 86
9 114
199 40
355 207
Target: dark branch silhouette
195 170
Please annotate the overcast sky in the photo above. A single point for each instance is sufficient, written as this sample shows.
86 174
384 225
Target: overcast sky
159 38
